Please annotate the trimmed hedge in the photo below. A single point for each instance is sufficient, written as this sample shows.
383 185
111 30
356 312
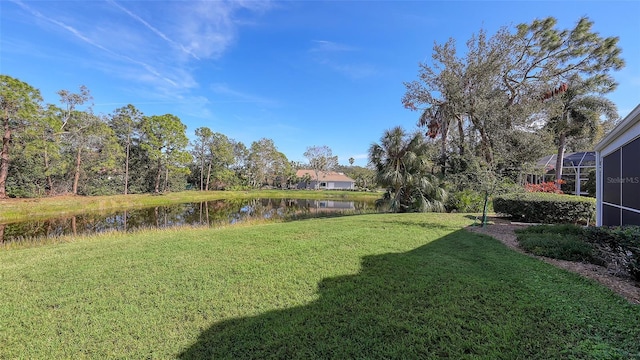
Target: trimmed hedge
546 208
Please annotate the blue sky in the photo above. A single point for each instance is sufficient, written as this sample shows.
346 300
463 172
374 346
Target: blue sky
302 73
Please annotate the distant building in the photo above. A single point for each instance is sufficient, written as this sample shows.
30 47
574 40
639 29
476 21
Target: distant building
618 174
575 170
329 180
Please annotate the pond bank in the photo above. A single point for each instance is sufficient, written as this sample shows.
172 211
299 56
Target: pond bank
12 210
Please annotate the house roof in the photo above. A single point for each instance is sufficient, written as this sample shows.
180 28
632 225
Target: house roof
629 121
324 175
583 159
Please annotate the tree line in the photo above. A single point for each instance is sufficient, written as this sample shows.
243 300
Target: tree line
490 113
49 150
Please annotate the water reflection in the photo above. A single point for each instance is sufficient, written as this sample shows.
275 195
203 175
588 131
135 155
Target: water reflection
210 213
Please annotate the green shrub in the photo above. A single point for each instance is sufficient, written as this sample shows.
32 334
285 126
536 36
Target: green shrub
568 229
590 185
238 188
546 208
27 191
465 201
619 247
557 246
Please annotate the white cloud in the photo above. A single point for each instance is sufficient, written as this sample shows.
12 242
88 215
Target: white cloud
329 46
208 28
152 28
95 43
153 45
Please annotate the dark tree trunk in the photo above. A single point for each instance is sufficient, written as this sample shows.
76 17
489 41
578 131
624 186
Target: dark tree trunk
126 166
157 184
461 132
76 175
46 170
444 126
486 146
560 156
202 169
208 176
166 180
4 157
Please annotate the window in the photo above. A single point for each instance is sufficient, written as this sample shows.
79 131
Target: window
621 186
630 176
611 177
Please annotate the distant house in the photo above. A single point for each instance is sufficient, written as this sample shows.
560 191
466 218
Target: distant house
329 180
618 174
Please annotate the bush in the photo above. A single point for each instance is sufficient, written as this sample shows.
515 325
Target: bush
557 246
465 201
618 247
568 229
238 188
28 191
590 185
546 208
547 187
557 241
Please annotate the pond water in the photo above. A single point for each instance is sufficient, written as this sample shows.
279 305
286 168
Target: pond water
210 213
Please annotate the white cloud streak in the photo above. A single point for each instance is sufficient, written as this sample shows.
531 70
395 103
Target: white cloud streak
325 46
93 43
153 29
155 46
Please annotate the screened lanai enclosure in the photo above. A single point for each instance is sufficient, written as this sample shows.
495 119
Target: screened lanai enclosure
618 197
575 171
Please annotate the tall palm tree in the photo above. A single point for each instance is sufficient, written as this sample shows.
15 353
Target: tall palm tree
579 111
439 119
401 165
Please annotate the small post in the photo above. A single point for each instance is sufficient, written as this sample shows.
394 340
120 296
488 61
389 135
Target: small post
484 209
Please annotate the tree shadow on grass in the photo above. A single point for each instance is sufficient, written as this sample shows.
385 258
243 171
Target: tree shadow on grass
451 298
473 217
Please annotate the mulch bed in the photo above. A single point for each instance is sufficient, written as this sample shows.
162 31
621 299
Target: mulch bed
504 231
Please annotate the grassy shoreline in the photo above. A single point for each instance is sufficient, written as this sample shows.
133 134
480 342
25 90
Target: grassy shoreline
369 286
39 208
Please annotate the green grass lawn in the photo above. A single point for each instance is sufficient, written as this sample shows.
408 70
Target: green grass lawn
366 286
